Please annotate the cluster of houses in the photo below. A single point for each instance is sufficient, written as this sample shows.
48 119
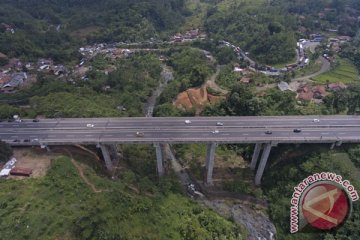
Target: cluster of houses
190 35
16 73
334 44
12 75
314 93
110 50
47 66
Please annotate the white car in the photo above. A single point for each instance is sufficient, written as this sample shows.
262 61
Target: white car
187 121
316 120
139 134
219 124
89 125
215 131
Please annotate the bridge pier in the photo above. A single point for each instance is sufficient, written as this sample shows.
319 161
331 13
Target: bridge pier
113 153
338 143
263 161
107 158
210 158
159 159
255 156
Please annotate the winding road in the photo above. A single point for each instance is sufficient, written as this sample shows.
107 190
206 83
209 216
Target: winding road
324 68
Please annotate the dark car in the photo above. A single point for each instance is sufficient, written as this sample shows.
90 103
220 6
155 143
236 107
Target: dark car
26 140
16 140
297 130
35 120
268 132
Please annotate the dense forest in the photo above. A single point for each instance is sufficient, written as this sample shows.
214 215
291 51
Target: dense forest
55 28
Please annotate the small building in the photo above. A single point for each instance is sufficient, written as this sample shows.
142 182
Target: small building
16 80
245 80
336 86
283 86
305 93
21 171
319 91
237 69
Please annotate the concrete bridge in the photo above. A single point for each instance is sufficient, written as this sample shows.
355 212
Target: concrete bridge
264 131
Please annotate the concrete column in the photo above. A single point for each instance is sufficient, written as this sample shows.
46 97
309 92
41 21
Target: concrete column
338 143
210 157
113 153
107 158
159 159
261 168
255 156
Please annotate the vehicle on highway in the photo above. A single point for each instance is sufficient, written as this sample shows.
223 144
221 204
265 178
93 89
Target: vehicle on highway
268 132
89 125
35 140
215 131
316 120
26 140
187 121
219 124
35 120
139 134
297 130
16 140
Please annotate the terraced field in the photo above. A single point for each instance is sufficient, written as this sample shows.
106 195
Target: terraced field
345 72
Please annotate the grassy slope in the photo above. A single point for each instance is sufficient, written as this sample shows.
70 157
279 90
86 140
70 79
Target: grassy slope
345 72
62 206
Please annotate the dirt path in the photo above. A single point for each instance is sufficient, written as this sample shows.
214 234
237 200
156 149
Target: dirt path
82 175
212 84
80 170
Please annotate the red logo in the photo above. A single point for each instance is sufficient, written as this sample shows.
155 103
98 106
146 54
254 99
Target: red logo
325 206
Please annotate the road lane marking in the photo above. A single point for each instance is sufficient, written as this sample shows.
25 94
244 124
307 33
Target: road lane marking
108 135
325 133
245 134
89 135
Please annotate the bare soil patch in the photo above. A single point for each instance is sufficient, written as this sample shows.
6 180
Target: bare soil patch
38 160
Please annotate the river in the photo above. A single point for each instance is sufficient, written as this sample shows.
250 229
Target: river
166 75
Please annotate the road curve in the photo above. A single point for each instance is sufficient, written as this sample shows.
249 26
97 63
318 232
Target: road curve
324 68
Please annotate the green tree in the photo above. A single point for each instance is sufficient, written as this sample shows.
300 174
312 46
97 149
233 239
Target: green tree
5 151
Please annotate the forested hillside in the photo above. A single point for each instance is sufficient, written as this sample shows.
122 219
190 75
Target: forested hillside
54 28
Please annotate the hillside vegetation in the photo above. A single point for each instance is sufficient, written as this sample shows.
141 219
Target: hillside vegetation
62 206
54 28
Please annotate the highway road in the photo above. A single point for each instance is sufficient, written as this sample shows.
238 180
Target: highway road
175 130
